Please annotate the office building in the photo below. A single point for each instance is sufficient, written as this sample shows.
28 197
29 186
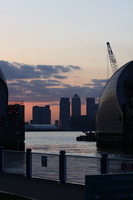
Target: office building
47 115
41 115
91 107
76 105
15 126
64 117
91 110
81 123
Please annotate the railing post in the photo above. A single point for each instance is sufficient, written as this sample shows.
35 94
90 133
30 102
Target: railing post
1 159
62 167
28 163
104 163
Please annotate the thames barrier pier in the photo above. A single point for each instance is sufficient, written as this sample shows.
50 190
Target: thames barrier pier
12 133
115 111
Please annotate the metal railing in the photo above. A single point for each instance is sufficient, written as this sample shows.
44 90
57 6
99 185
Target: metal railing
79 166
45 166
61 167
14 162
121 165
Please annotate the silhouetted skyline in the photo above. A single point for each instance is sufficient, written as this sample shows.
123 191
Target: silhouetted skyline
51 49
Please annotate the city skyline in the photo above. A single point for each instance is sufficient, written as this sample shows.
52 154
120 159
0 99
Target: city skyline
55 109
68 108
53 49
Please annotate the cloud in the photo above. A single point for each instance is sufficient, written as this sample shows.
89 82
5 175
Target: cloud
23 71
50 91
45 82
51 69
96 82
60 77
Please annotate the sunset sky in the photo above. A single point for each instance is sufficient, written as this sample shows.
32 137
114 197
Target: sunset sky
55 48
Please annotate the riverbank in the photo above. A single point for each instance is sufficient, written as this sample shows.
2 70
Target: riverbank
40 189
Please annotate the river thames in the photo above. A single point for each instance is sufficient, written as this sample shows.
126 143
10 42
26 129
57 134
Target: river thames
53 142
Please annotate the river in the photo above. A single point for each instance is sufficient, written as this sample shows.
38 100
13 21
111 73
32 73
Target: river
53 142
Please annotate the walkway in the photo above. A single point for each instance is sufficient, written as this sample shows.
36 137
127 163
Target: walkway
40 189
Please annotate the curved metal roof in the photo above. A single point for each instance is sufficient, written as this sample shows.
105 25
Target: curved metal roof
2 76
114 96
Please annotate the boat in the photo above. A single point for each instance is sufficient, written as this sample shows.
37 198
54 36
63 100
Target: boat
89 136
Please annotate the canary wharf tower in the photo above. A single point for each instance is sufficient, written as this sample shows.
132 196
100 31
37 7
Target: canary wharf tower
76 105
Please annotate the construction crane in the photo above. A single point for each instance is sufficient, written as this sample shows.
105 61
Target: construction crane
112 58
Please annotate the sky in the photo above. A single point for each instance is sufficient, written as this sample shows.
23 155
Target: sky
55 48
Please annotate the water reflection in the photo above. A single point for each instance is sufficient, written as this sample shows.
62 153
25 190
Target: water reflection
53 142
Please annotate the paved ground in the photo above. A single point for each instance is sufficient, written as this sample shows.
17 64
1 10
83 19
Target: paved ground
40 189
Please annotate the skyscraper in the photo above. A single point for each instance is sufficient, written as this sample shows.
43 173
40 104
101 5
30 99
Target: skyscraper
41 115
91 107
47 115
91 110
76 105
65 113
